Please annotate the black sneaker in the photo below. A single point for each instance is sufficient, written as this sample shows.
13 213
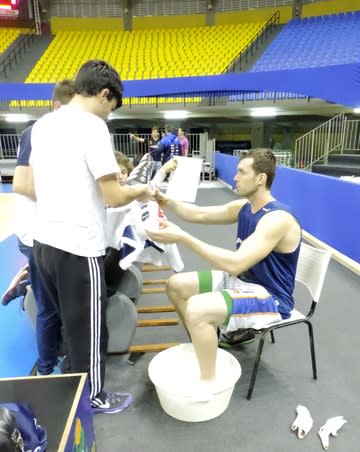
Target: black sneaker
18 286
238 337
115 402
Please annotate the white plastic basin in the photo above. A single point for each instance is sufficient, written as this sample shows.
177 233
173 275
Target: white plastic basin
174 370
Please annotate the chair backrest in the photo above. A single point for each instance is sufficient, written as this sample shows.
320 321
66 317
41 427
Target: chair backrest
311 268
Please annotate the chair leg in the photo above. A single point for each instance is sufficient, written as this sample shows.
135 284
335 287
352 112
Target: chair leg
312 349
272 336
256 365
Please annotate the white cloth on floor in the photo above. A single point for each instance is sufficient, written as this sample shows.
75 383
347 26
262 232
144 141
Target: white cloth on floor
303 422
125 231
331 427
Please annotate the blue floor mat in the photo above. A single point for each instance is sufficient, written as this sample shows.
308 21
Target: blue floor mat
17 345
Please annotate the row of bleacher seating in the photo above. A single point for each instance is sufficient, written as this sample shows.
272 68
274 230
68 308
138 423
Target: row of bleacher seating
146 54
157 53
8 35
315 41
264 95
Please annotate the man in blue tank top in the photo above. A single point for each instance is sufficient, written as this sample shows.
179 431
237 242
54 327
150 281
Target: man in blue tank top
252 283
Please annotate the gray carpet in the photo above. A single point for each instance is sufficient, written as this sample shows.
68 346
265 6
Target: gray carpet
284 378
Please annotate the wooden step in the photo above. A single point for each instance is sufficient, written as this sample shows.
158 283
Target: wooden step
157 322
155 268
151 290
151 348
152 282
150 309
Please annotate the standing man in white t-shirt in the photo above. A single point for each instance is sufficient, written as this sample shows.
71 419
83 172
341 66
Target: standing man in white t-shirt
75 176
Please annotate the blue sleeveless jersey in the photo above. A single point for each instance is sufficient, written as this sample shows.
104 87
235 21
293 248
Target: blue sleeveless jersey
277 271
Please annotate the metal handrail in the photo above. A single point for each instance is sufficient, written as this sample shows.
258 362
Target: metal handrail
121 142
269 25
316 145
13 56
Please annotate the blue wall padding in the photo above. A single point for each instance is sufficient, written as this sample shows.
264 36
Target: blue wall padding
339 84
18 352
226 167
327 207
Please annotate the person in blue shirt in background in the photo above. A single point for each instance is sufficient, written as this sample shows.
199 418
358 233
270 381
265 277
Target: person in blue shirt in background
169 145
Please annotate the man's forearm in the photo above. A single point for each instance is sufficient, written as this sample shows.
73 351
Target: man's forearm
184 210
27 191
128 194
23 182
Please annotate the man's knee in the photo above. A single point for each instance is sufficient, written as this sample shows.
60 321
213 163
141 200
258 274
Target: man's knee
182 285
195 312
172 284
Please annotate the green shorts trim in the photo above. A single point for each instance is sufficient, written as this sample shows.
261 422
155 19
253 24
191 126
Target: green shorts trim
206 285
205 281
229 305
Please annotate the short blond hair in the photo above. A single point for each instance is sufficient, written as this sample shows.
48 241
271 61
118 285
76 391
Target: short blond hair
123 160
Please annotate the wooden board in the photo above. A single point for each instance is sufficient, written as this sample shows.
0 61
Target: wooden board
157 322
151 309
155 268
151 348
151 290
153 282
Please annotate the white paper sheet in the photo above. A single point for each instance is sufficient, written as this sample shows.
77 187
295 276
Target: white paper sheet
184 181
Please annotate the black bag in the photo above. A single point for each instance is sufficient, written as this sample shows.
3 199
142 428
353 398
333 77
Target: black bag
19 430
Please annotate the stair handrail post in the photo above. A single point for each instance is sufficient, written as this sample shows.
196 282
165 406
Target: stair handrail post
344 130
327 143
309 165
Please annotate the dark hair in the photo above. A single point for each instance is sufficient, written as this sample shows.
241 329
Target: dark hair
264 161
64 91
155 128
171 129
96 75
10 437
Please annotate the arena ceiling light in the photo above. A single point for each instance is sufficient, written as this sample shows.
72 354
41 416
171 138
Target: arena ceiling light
263 112
176 114
18 117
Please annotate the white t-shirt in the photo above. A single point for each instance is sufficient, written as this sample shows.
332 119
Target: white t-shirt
71 149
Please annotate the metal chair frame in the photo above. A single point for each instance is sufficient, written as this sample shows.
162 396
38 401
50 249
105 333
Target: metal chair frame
311 271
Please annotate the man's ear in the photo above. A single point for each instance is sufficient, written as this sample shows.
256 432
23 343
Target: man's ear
56 104
262 178
104 93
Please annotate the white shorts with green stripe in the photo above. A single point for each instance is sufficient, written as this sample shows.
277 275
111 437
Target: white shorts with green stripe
249 305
